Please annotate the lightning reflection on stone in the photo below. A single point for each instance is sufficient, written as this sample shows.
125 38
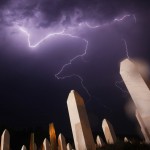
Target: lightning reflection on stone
63 33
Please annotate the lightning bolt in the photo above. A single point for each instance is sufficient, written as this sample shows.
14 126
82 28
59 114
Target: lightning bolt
63 33
77 76
42 40
70 62
126 48
117 83
122 18
115 20
134 18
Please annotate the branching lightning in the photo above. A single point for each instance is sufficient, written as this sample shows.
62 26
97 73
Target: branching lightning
65 65
64 33
122 18
117 84
127 55
115 20
126 48
70 62
134 18
42 40
77 76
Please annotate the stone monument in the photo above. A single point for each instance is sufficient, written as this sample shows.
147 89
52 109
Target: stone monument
46 145
109 132
32 145
23 147
61 142
99 141
137 86
52 135
143 127
69 147
81 130
5 140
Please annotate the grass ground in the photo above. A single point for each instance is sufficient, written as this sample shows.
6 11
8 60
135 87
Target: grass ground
125 146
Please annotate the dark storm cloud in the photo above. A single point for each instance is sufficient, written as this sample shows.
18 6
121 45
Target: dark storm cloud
66 12
3 2
100 10
12 11
28 84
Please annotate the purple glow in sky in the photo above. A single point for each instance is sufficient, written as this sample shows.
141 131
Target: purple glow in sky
64 33
43 42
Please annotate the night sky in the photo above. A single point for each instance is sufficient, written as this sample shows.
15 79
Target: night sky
30 93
